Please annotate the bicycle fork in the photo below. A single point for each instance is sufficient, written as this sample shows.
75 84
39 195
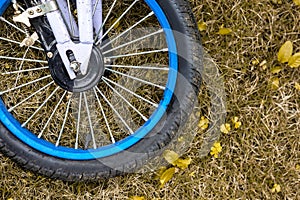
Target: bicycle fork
75 55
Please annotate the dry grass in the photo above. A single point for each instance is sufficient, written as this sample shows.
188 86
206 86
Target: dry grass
264 151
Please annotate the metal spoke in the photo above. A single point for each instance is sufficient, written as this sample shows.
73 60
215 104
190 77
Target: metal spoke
139 67
11 24
134 108
78 120
19 43
113 108
21 59
14 26
95 7
23 85
21 65
129 29
133 41
137 79
105 20
105 119
52 114
138 53
117 21
25 70
131 92
29 97
90 121
39 108
64 122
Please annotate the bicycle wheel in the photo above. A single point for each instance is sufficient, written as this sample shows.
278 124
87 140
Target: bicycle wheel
115 117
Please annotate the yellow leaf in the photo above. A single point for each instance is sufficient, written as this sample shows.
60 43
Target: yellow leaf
255 61
170 156
276 188
183 163
276 70
203 123
224 31
297 2
275 83
297 86
277 1
166 176
216 149
202 26
225 128
180 139
294 61
285 52
137 198
116 24
236 122
160 171
237 125
192 174
297 167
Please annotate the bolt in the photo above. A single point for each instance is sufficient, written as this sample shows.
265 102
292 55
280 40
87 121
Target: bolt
50 55
75 66
39 10
31 12
107 60
29 42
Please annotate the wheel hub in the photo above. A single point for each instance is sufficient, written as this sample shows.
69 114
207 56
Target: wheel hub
81 82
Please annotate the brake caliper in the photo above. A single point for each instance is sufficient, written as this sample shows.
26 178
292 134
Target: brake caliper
30 13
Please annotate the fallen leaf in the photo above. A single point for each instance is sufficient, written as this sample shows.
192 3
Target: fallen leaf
276 70
285 52
276 188
275 83
225 128
224 31
202 26
236 122
297 2
255 61
183 163
170 156
137 198
166 176
294 61
180 139
277 1
203 123
297 86
216 149
192 174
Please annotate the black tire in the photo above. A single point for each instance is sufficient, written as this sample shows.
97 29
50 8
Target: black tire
190 64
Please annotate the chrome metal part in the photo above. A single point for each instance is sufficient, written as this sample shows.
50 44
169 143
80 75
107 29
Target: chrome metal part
33 12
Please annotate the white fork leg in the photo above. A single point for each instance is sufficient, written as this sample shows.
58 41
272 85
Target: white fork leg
69 19
97 15
81 51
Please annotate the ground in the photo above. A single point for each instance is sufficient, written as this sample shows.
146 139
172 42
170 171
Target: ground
263 152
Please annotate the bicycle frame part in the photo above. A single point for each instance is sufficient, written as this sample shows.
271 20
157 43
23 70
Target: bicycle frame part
65 29
82 50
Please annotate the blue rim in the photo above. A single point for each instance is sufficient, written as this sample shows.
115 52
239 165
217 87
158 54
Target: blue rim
3 5
78 154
